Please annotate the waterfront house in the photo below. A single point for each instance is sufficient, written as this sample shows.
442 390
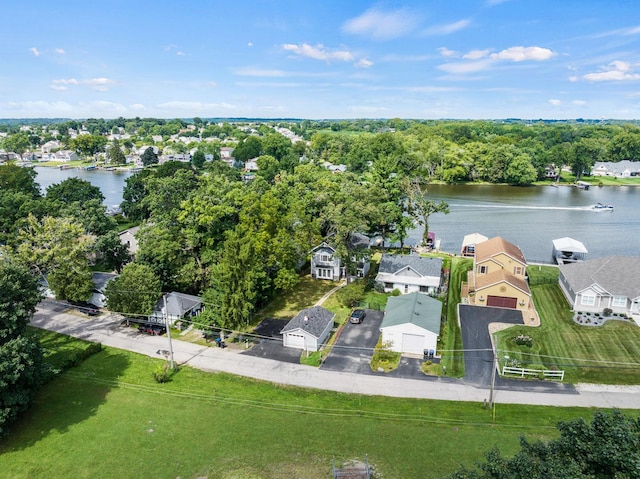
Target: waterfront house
308 329
498 278
326 264
410 273
411 323
603 283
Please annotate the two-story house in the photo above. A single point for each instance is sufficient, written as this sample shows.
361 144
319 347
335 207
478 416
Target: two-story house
326 264
498 278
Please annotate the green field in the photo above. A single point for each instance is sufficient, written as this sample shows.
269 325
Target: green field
108 418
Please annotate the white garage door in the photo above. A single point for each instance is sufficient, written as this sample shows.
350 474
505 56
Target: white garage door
412 343
295 341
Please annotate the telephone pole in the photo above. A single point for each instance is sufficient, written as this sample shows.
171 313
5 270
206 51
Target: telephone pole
168 326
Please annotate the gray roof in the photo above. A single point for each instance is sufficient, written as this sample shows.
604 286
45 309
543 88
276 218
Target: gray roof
317 319
392 263
618 275
100 280
179 303
618 166
416 308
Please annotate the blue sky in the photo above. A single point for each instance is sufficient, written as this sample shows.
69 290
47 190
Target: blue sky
321 59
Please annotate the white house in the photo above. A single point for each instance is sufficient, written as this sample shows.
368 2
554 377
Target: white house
128 238
410 273
179 306
411 323
325 264
308 329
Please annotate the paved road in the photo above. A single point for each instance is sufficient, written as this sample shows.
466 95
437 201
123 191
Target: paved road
106 329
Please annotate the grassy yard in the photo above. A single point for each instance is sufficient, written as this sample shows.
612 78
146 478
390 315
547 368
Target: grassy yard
608 354
306 293
108 418
451 336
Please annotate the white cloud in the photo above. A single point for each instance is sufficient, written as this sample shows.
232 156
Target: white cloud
614 71
579 102
447 28
555 102
194 106
573 79
476 54
364 63
180 54
99 84
392 57
35 51
104 106
212 84
445 52
250 44
319 52
481 59
382 25
520 54
60 51
137 107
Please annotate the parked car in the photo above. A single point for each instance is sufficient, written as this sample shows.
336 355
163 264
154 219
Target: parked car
357 316
89 309
152 329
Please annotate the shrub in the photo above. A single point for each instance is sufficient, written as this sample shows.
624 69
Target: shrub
352 293
163 374
523 340
395 292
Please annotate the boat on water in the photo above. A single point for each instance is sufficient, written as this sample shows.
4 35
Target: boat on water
602 207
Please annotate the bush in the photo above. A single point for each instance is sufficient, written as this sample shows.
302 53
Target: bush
384 358
395 292
607 312
352 293
523 340
163 374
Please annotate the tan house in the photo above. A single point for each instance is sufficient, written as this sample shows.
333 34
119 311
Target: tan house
498 277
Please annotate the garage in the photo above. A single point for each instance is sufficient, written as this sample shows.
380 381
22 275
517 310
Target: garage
413 343
502 302
295 341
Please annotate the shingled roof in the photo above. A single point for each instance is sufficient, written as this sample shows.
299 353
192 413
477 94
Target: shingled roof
497 245
392 263
416 308
311 320
486 280
618 275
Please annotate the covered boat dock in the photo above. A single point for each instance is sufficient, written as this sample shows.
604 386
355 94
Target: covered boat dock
568 250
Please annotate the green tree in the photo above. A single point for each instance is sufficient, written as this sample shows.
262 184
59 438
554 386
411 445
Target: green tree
16 178
520 171
74 190
17 143
135 292
420 207
586 152
115 155
112 253
198 159
88 145
250 147
268 167
607 447
149 157
21 363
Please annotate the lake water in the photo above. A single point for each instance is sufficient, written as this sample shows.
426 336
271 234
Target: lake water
111 183
530 217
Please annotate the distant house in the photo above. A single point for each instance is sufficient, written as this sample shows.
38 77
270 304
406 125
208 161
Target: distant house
411 323
179 306
226 152
308 329
66 155
128 238
619 169
251 164
498 277
594 285
410 273
326 264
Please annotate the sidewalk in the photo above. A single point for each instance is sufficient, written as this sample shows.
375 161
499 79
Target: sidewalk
107 331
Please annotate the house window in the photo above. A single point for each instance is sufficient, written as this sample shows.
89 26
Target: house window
588 300
388 285
482 269
619 301
325 273
406 288
325 257
518 270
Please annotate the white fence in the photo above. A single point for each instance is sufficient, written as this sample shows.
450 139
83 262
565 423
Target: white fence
522 372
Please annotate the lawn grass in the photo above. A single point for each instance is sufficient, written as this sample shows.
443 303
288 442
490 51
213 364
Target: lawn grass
304 295
450 334
608 354
108 418
59 349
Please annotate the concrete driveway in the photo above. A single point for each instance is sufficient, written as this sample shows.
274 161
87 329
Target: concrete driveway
270 342
478 356
353 349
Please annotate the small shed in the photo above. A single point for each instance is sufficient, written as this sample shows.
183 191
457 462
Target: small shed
469 243
411 323
308 329
568 250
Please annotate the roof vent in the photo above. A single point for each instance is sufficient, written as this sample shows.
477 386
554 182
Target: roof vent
306 318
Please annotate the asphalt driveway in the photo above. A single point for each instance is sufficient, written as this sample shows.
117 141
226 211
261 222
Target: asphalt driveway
478 356
270 342
353 349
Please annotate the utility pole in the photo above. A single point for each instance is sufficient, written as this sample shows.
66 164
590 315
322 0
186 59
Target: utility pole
168 326
493 377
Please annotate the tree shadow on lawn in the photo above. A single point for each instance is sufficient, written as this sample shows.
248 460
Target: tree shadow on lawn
304 295
69 399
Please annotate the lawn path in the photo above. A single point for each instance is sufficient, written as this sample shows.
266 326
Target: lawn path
326 296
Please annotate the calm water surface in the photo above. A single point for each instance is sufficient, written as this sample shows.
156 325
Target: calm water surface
530 217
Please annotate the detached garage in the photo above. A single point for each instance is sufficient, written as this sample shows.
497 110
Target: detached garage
308 329
411 323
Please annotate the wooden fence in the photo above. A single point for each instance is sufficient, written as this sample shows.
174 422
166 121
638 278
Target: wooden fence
523 372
